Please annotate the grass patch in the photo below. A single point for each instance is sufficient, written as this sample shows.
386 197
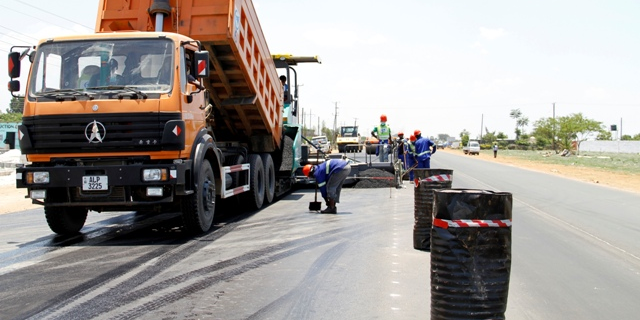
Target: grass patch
618 162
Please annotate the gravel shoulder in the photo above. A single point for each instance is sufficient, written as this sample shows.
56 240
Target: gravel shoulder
621 181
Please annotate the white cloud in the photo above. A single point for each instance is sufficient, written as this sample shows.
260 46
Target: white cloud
377 39
492 34
595 93
481 49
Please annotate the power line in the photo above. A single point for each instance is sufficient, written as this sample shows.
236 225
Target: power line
39 18
53 14
12 37
22 34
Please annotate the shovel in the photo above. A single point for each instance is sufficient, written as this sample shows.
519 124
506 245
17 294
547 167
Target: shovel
315 205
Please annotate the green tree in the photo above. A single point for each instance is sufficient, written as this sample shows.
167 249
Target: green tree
576 127
521 122
502 136
489 137
442 137
16 105
626 137
464 137
543 131
11 117
604 134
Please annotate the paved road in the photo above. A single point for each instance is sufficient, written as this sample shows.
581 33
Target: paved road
575 256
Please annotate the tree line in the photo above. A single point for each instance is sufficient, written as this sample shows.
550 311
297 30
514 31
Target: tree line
566 132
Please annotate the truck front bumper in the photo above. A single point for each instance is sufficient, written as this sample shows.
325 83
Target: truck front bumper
100 186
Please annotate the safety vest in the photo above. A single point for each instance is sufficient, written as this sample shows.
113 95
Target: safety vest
328 168
412 149
384 132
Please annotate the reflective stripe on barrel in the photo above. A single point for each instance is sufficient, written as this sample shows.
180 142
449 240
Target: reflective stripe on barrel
473 223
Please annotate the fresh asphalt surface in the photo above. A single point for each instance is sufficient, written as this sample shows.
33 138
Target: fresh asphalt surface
575 255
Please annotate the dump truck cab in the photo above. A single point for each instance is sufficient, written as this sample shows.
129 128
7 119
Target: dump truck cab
169 106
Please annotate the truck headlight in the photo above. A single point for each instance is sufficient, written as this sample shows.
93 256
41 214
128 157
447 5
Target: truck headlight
155 175
37 177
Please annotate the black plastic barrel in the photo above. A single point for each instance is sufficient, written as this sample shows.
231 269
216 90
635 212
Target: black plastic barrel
470 254
428 180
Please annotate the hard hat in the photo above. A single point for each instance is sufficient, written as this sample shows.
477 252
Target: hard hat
417 133
400 133
307 170
412 138
383 118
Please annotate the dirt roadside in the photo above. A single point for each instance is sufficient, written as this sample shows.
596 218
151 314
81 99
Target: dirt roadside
627 182
13 199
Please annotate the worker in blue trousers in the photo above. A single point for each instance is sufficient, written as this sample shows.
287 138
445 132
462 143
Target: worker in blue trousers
329 175
402 143
383 134
411 156
424 149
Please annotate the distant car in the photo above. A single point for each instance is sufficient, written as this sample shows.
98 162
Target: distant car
322 143
473 147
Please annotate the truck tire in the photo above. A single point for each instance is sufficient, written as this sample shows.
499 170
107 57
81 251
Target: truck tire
341 148
254 198
269 177
65 220
198 208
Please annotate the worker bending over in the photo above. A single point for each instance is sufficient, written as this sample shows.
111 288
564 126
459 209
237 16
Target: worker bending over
329 175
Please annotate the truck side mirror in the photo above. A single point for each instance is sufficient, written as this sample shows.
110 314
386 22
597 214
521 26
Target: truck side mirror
202 64
14 86
14 65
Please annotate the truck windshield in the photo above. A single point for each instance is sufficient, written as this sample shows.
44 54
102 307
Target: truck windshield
142 64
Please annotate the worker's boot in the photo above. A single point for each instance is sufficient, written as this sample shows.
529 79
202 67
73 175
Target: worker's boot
331 207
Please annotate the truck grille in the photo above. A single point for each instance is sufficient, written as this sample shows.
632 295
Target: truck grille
117 131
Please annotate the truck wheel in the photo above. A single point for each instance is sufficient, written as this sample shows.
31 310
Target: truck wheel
65 220
198 208
341 148
269 177
255 196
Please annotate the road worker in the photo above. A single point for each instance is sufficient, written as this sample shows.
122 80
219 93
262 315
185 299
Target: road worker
402 147
330 176
411 156
383 134
424 149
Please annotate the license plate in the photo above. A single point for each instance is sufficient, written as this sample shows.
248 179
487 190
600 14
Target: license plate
91 183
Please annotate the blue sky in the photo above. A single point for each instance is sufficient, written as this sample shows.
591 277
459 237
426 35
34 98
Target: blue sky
437 66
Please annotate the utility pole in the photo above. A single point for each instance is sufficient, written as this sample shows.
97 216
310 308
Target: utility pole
319 131
481 125
355 122
554 129
335 122
311 121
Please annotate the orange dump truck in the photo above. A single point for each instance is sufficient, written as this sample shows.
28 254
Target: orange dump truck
169 106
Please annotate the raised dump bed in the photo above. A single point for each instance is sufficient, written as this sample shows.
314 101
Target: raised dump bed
243 81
